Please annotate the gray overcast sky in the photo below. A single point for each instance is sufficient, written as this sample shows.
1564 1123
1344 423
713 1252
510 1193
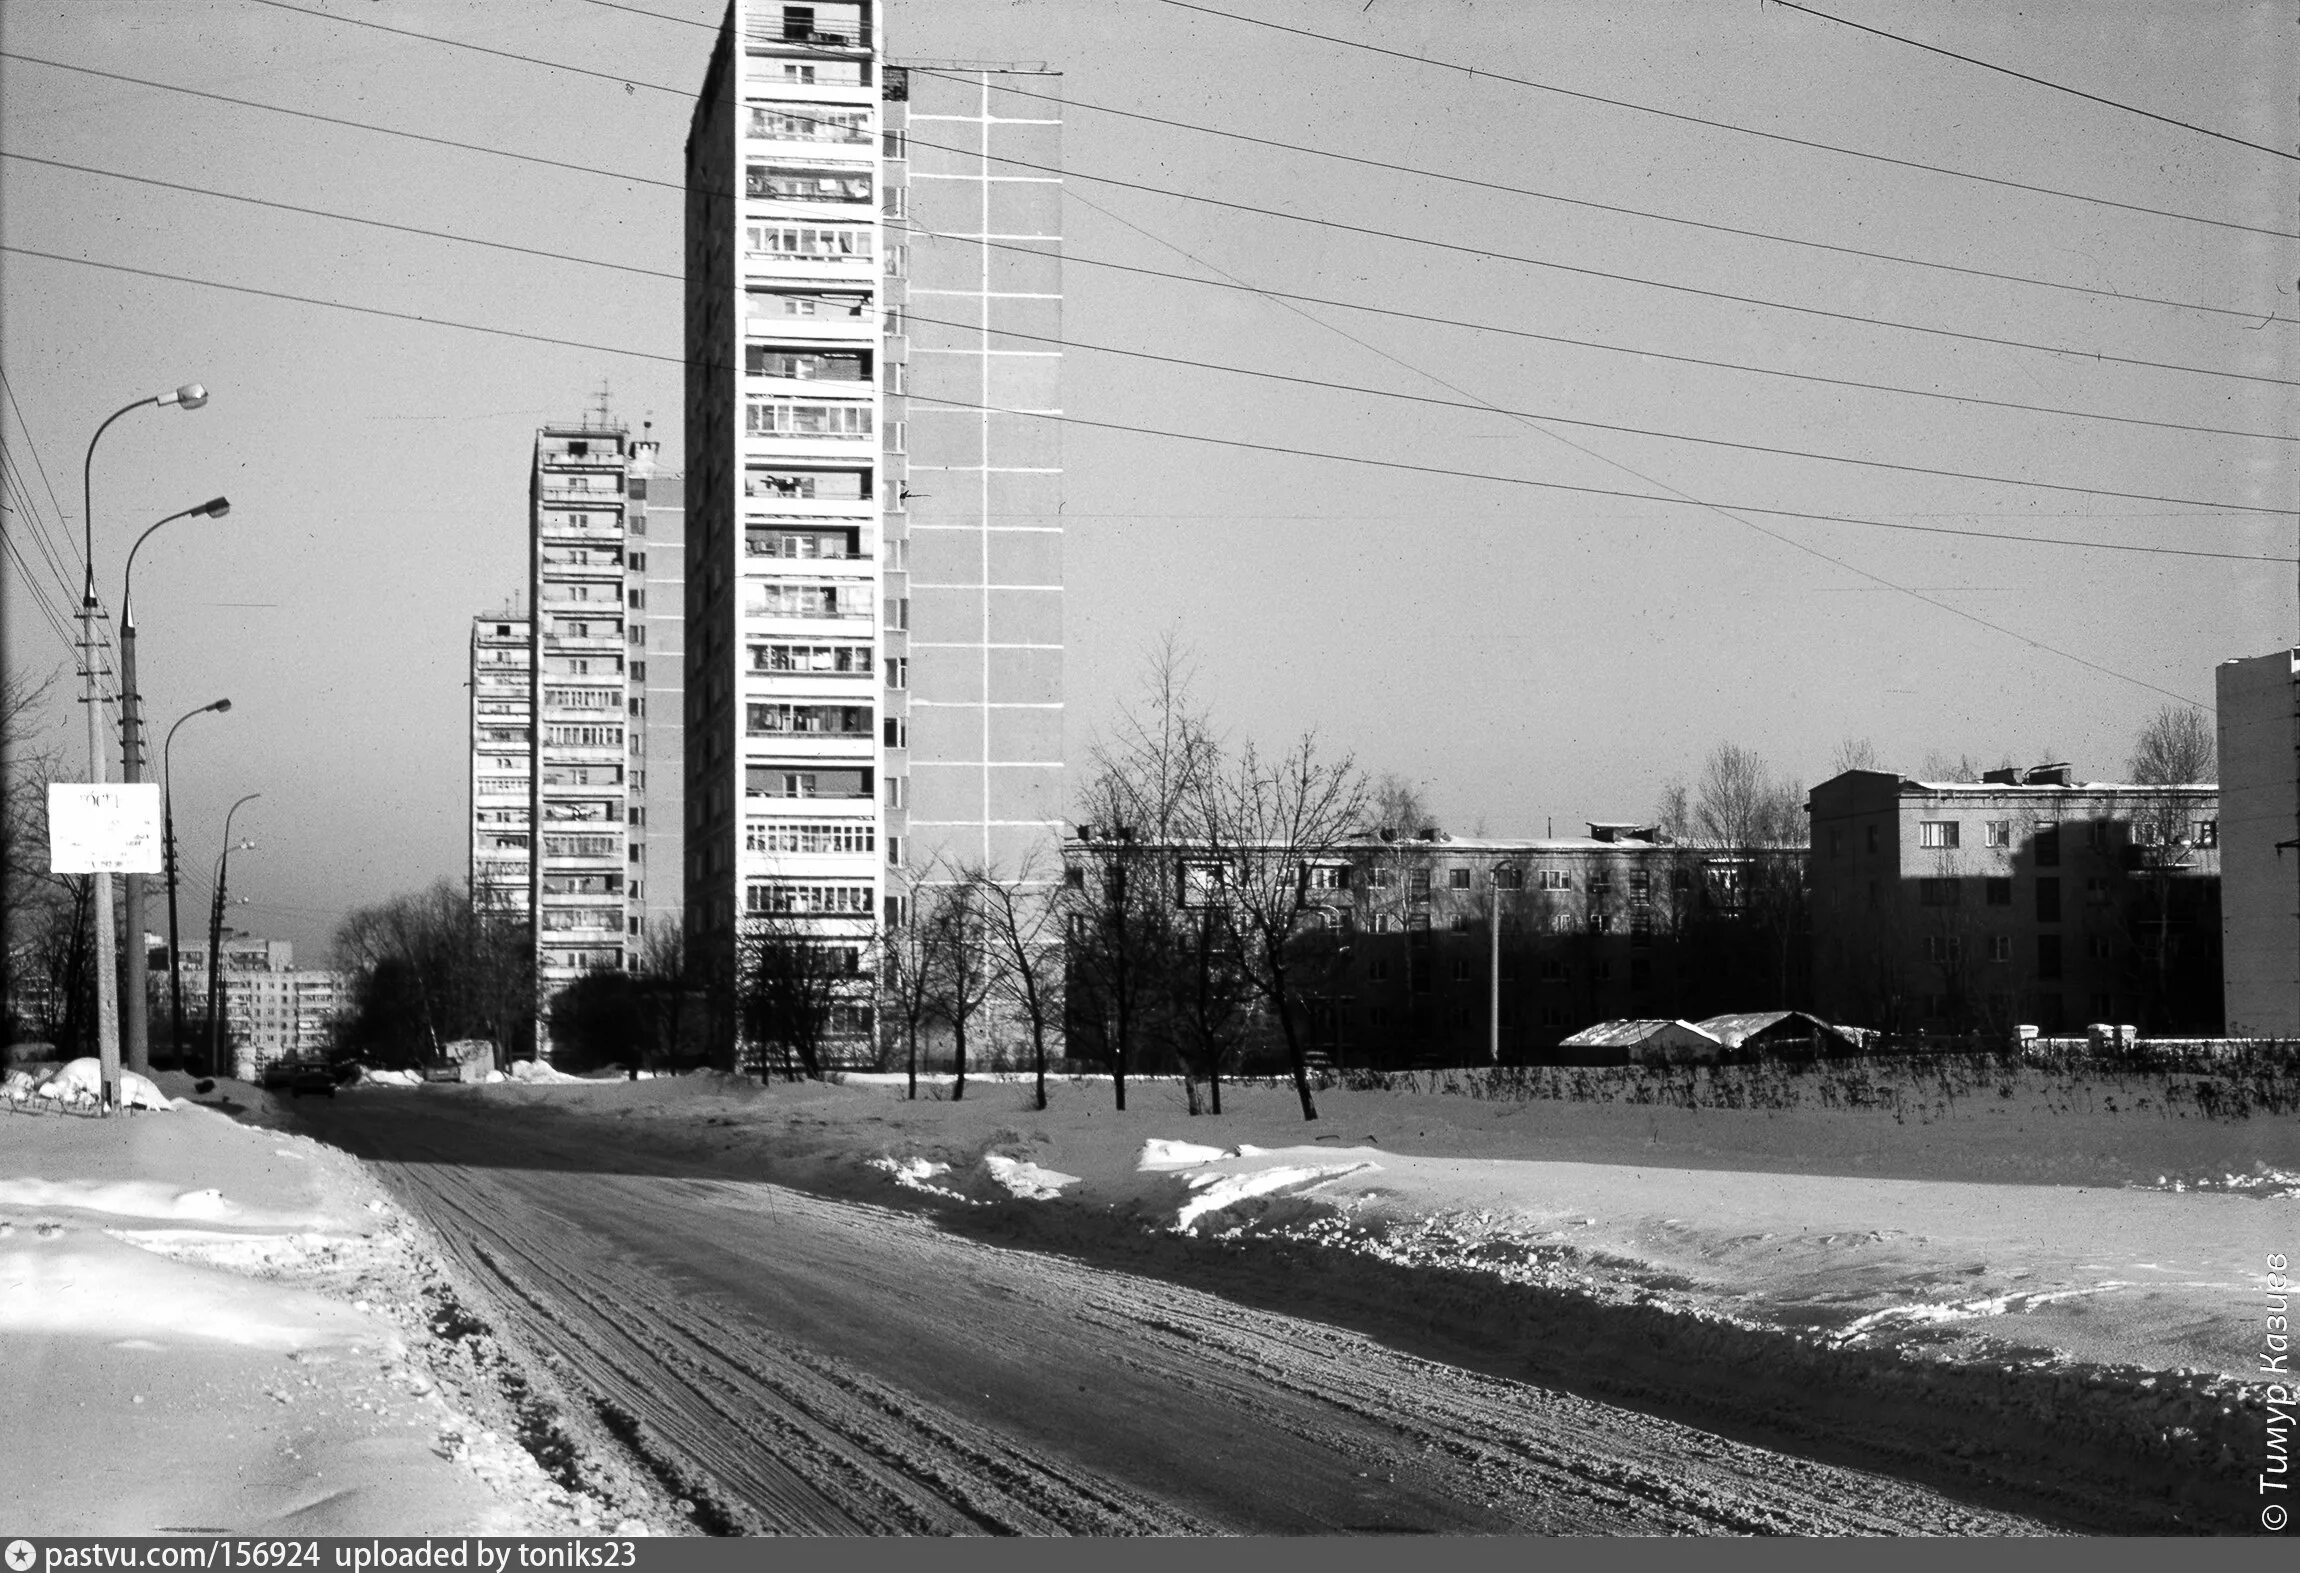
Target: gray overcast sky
1524 653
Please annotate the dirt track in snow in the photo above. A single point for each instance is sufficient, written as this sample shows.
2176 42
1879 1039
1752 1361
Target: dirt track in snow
791 1363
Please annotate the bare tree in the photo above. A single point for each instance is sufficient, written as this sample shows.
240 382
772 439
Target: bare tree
1267 823
1022 920
2175 748
430 967
966 968
1674 812
1854 753
1740 803
1938 766
1394 803
799 985
1141 802
908 986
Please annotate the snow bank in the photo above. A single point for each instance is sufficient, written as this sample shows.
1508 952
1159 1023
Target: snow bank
81 1082
1158 1153
914 1174
1219 1191
1026 1179
536 1072
380 1078
132 1198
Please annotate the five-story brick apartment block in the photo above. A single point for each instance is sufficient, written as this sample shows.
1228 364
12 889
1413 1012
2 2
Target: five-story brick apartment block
1427 948
2023 898
873 665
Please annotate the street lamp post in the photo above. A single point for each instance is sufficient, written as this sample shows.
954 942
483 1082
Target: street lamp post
216 940
168 840
135 1024
190 396
1493 971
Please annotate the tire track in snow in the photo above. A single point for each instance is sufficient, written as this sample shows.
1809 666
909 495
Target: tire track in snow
822 1366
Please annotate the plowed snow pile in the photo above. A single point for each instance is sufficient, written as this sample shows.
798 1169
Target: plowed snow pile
232 1321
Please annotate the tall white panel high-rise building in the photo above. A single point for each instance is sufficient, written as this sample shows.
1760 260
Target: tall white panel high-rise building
874 640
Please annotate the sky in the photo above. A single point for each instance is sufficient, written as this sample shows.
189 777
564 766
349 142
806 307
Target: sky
1529 654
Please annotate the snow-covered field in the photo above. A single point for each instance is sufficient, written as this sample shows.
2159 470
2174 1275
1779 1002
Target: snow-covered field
2051 1252
2063 1248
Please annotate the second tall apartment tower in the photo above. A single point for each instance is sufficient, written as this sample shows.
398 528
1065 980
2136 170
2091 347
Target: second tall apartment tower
874 569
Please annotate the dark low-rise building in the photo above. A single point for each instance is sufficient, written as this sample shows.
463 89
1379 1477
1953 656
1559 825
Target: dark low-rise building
1967 908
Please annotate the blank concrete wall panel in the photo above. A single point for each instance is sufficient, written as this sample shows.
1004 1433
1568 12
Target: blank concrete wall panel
1025 792
1026 677
943 617
944 790
1022 272
1025 557
1025 207
1025 617
938 323
946 557
940 734
1018 315
1025 441
1026 735
1024 382
1022 144
1024 498
949 677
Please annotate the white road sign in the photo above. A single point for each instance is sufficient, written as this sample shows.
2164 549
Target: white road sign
112 829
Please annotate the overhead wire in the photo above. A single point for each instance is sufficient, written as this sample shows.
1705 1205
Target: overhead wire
1103 263
1490 254
1488 74
1724 511
1348 228
508 333
351 218
677 360
1641 213
1634 431
2057 87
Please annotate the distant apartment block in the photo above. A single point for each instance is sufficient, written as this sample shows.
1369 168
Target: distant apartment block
873 668
502 761
606 647
273 1009
2024 898
2259 714
576 727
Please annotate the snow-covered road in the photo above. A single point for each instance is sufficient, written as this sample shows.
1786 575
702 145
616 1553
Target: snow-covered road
794 1362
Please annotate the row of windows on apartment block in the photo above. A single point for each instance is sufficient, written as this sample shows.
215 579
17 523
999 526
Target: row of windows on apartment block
2044 836
636 814
1201 879
1950 892
1949 950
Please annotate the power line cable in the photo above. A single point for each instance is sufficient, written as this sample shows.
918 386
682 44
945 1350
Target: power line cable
1605 273
2038 81
608 349
1169 360
31 522
352 125
1454 473
1568 420
1723 125
1336 224
1809 550
32 444
1643 213
1075 259
345 218
1068 259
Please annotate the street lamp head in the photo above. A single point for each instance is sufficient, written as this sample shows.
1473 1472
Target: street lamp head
220 706
215 507
191 396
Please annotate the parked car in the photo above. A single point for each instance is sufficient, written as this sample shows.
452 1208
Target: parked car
315 1079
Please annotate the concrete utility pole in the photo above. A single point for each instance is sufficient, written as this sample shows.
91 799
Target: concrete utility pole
216 941
190 396
174 865
136 1024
